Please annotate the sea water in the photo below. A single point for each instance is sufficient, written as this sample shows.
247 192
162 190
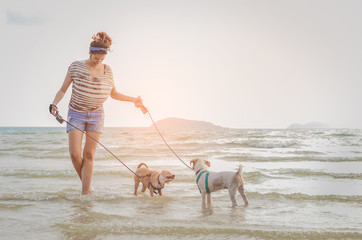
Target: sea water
301 184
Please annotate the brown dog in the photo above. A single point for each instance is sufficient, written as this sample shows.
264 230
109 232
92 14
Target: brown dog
151 179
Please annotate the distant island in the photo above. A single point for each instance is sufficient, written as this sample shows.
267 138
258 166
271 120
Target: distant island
309 125
184 124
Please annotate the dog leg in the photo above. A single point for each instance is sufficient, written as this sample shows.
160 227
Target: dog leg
136 183
209 199
203 200
151 191
242 193
144 187
232 193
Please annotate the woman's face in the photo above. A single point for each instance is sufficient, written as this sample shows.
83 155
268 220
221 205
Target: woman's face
97 58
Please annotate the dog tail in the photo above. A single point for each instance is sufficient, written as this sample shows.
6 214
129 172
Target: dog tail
238 176
140 165
240 171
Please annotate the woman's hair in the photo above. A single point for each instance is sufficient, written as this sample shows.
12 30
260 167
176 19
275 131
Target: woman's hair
100 40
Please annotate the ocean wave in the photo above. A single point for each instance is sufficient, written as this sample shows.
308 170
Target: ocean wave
344 135
179 230
318 133
307 153
306 197
258 177
74 196
307 173
227 143
24 173
251 158
65 195
35 148
12 206
272 144
39 155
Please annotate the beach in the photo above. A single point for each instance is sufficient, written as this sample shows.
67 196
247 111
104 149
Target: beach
300 183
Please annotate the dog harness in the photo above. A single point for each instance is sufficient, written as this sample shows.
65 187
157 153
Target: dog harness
206 181
159 183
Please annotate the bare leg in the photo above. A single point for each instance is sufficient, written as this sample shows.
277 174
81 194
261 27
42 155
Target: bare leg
88 157
242 193
75 150
160 192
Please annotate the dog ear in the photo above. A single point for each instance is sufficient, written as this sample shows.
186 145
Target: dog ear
192 163
207 163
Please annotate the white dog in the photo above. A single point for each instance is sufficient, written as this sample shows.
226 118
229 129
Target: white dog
213 181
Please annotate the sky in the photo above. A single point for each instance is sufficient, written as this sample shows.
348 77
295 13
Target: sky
237 64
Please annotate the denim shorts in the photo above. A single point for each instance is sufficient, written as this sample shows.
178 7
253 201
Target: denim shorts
89 121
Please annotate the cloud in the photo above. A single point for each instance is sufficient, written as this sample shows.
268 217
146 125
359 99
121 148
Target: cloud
21 19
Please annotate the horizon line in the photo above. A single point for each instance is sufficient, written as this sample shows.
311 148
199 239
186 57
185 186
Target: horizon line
152 126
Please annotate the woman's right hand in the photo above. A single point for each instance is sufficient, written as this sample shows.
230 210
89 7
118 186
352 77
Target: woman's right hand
53 109
138 102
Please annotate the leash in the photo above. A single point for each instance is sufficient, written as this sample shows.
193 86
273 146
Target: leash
145 110
60 119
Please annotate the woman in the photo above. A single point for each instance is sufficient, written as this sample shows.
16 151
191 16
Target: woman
92 85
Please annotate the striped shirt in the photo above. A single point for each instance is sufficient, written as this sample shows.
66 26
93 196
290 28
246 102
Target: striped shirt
89 92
